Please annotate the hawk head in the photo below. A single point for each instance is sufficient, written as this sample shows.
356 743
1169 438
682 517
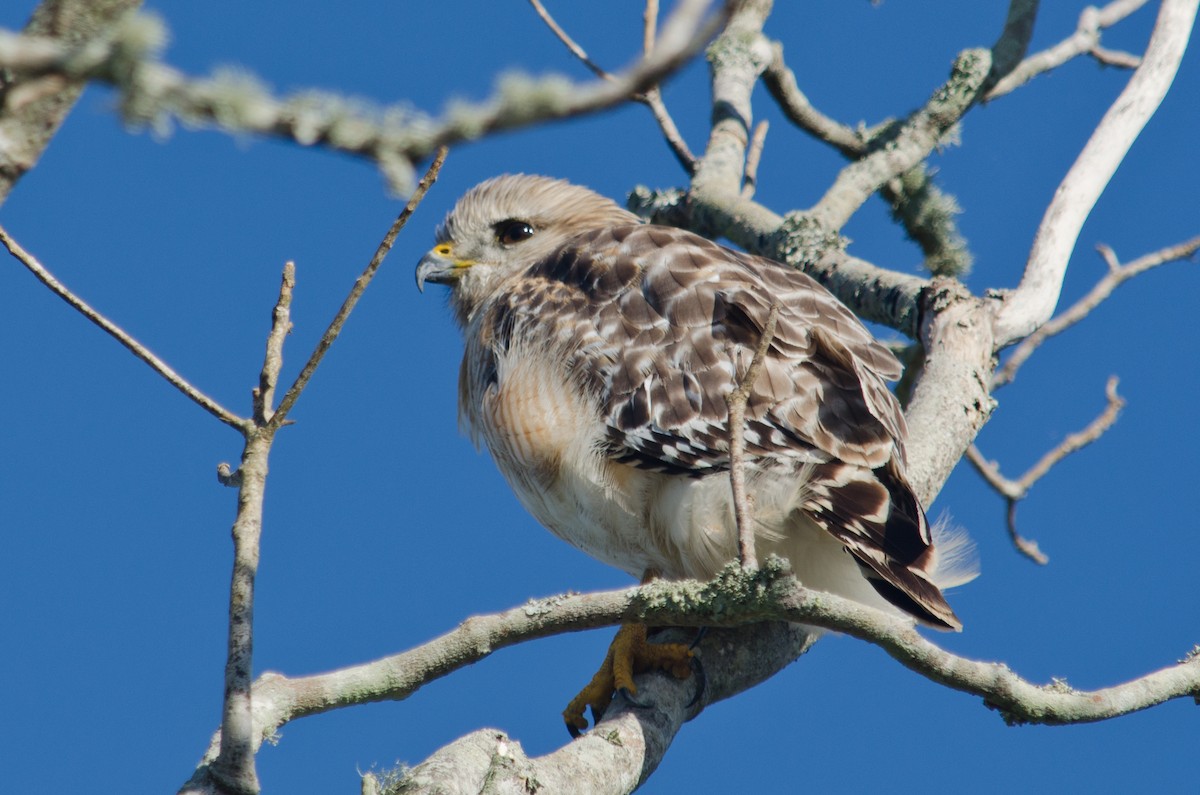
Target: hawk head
501 227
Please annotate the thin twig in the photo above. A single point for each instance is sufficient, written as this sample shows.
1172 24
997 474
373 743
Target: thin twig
753 156
780 81
281 326
651 97
1117 275
360 286
653 100
116 332
1084 41
1013 491
573 45
736 401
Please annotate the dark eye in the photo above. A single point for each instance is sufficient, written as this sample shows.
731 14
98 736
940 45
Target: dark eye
512 232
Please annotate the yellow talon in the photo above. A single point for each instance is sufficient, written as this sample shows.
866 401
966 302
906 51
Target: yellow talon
628 654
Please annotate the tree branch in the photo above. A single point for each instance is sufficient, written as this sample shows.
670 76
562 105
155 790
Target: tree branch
1032 303
1085 40
1117 275
116 332
736 402
736 58
1013 491
233 769
651 97
736 598
25 131
393 138
356 292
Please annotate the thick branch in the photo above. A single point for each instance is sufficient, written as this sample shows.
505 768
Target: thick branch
737 597
737 58
899 150
950 397
25 131
392 138
1033 302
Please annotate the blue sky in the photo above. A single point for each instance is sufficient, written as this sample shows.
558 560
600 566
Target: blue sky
384 527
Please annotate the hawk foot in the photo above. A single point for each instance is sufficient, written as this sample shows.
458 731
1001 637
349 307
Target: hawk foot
628 654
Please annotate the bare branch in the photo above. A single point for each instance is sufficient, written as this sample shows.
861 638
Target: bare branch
1033 302
393 138
1014 491
990 471
653 100
1085 40
651 97
736 402
281 326
116 332
781 83
360 286
649 26
950 400
737 597
24 132
753 156
1117 275
906 144
571 44
737 57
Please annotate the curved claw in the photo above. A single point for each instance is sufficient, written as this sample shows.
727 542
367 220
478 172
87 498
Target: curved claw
628 654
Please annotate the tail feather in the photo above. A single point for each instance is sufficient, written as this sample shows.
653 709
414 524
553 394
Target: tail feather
875 514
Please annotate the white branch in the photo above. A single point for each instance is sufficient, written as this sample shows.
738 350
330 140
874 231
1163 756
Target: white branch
1033 302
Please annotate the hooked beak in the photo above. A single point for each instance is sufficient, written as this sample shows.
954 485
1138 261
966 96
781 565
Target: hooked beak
439 266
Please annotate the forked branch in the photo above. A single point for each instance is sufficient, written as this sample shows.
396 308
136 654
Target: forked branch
1013 491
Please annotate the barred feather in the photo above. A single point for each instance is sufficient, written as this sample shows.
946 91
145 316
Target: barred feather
600 353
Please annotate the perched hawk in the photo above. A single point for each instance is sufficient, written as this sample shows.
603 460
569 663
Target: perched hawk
599 354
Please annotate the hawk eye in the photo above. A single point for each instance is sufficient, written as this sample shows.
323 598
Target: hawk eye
512 232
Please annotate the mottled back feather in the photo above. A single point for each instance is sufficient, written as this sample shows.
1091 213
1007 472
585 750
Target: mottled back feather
655 327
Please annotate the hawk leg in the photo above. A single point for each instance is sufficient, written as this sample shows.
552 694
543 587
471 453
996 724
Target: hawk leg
628 654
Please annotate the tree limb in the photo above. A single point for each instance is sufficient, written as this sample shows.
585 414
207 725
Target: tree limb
1032 303
25 131
1117 275
1013 491
1085 40
392 138
737 597
120 335
360 286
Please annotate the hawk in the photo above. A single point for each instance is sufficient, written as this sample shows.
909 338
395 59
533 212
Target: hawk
599 353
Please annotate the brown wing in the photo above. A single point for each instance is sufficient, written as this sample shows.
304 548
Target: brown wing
676 319
663 325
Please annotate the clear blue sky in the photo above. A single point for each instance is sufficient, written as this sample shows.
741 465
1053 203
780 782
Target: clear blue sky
385 528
